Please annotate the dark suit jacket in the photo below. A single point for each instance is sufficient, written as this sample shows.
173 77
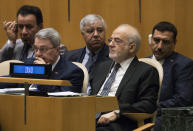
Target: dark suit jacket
78 56
137 91
177 84
64 70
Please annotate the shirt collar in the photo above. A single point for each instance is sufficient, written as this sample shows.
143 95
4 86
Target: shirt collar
125 64
160 61
88 51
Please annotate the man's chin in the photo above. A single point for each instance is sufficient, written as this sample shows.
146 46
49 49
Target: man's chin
27 41
158 57
96 46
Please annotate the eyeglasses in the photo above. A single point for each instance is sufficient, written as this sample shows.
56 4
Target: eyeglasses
116 40
157 40
42 49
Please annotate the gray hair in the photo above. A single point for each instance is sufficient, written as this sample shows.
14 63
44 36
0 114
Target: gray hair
133 35
90 19
49 34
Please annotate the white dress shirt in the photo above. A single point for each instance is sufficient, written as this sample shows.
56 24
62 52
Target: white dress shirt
120 73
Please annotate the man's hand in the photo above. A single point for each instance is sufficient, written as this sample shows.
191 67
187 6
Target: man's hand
39 60
107 118
11 29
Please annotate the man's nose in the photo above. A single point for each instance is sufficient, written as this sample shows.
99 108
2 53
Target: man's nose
96 33
37 53
111 44
160 44
24 30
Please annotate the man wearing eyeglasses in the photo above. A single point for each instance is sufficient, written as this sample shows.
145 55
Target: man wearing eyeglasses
46 47
177 84
134 83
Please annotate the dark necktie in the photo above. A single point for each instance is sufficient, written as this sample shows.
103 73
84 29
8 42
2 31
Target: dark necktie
108 84
24 53
90 61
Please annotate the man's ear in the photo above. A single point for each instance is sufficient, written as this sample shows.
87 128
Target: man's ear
132 45
150 38
58 48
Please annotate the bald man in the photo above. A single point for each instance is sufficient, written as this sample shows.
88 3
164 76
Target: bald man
135 84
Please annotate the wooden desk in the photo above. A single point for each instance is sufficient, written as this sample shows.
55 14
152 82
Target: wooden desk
52 113
35 81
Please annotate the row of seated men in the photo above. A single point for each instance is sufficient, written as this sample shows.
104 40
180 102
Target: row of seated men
114 69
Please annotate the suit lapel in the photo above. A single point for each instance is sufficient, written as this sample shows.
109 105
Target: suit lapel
58 68
167 65
81 55
102 76
128 74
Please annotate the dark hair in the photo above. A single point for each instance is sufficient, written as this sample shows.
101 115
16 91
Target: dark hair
166 26
29 9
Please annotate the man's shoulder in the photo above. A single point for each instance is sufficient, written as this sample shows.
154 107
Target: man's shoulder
179 63
76 51
73 55
180 59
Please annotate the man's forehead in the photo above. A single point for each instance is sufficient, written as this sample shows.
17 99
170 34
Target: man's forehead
163 34
118 34
96 24
26 19
42 42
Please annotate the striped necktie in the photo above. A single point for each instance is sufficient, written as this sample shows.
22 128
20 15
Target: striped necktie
109 82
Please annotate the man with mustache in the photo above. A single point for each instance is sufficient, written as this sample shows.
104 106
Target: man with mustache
177 84
93 29
29 22
134 83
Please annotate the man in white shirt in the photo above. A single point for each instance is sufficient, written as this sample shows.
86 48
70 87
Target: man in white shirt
134 83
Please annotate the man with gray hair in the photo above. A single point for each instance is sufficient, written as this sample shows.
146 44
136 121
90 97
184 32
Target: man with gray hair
134 83
46 47
93 29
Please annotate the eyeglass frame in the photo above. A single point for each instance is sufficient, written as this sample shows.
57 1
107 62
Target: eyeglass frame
118 41
42 49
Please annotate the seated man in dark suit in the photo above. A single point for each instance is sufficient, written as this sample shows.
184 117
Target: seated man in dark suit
177 84
134 83
46 48
93 29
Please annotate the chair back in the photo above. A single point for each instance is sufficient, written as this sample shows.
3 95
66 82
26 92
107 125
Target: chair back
86 76
5 65
159 68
